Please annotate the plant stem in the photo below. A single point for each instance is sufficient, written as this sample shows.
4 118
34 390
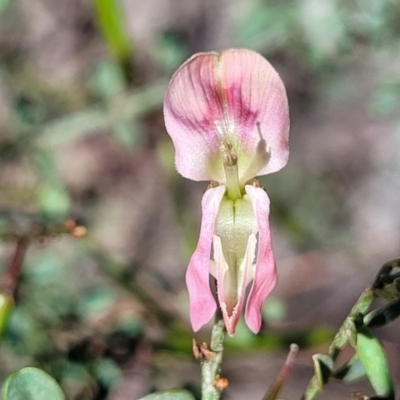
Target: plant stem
277 384
342 337
9 281
211 363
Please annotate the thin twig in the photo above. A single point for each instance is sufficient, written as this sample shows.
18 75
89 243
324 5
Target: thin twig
9 281
276 386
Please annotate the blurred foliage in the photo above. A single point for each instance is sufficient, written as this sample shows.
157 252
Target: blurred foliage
109 18
83 312
319 33
3 5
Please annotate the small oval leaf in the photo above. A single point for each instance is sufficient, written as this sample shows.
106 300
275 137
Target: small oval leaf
31 384
373 358
169 395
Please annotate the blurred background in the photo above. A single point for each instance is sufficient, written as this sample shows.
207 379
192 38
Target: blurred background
82 136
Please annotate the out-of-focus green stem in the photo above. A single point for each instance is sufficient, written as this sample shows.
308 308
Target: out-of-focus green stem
109 18
126 108
211 363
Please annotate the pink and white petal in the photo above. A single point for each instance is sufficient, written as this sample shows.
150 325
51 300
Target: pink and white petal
232 314
241 92
265 276
202 302
221 269
192 104
256 100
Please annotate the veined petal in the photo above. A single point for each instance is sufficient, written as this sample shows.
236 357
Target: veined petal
191 107
233 100
202 302
256 100
265 276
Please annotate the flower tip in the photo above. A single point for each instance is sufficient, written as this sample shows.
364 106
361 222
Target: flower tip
230 328
231 321
253 321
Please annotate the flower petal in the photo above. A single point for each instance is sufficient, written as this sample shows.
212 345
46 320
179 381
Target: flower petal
191 107
256 100
237 97
202 302
231 312
265 276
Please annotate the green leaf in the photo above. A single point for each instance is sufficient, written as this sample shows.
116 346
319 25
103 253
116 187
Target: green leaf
31 384
169 395
373 358
323 366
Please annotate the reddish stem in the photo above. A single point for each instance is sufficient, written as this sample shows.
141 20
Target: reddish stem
10 280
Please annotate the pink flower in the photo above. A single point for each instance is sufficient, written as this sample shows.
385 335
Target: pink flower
227 115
